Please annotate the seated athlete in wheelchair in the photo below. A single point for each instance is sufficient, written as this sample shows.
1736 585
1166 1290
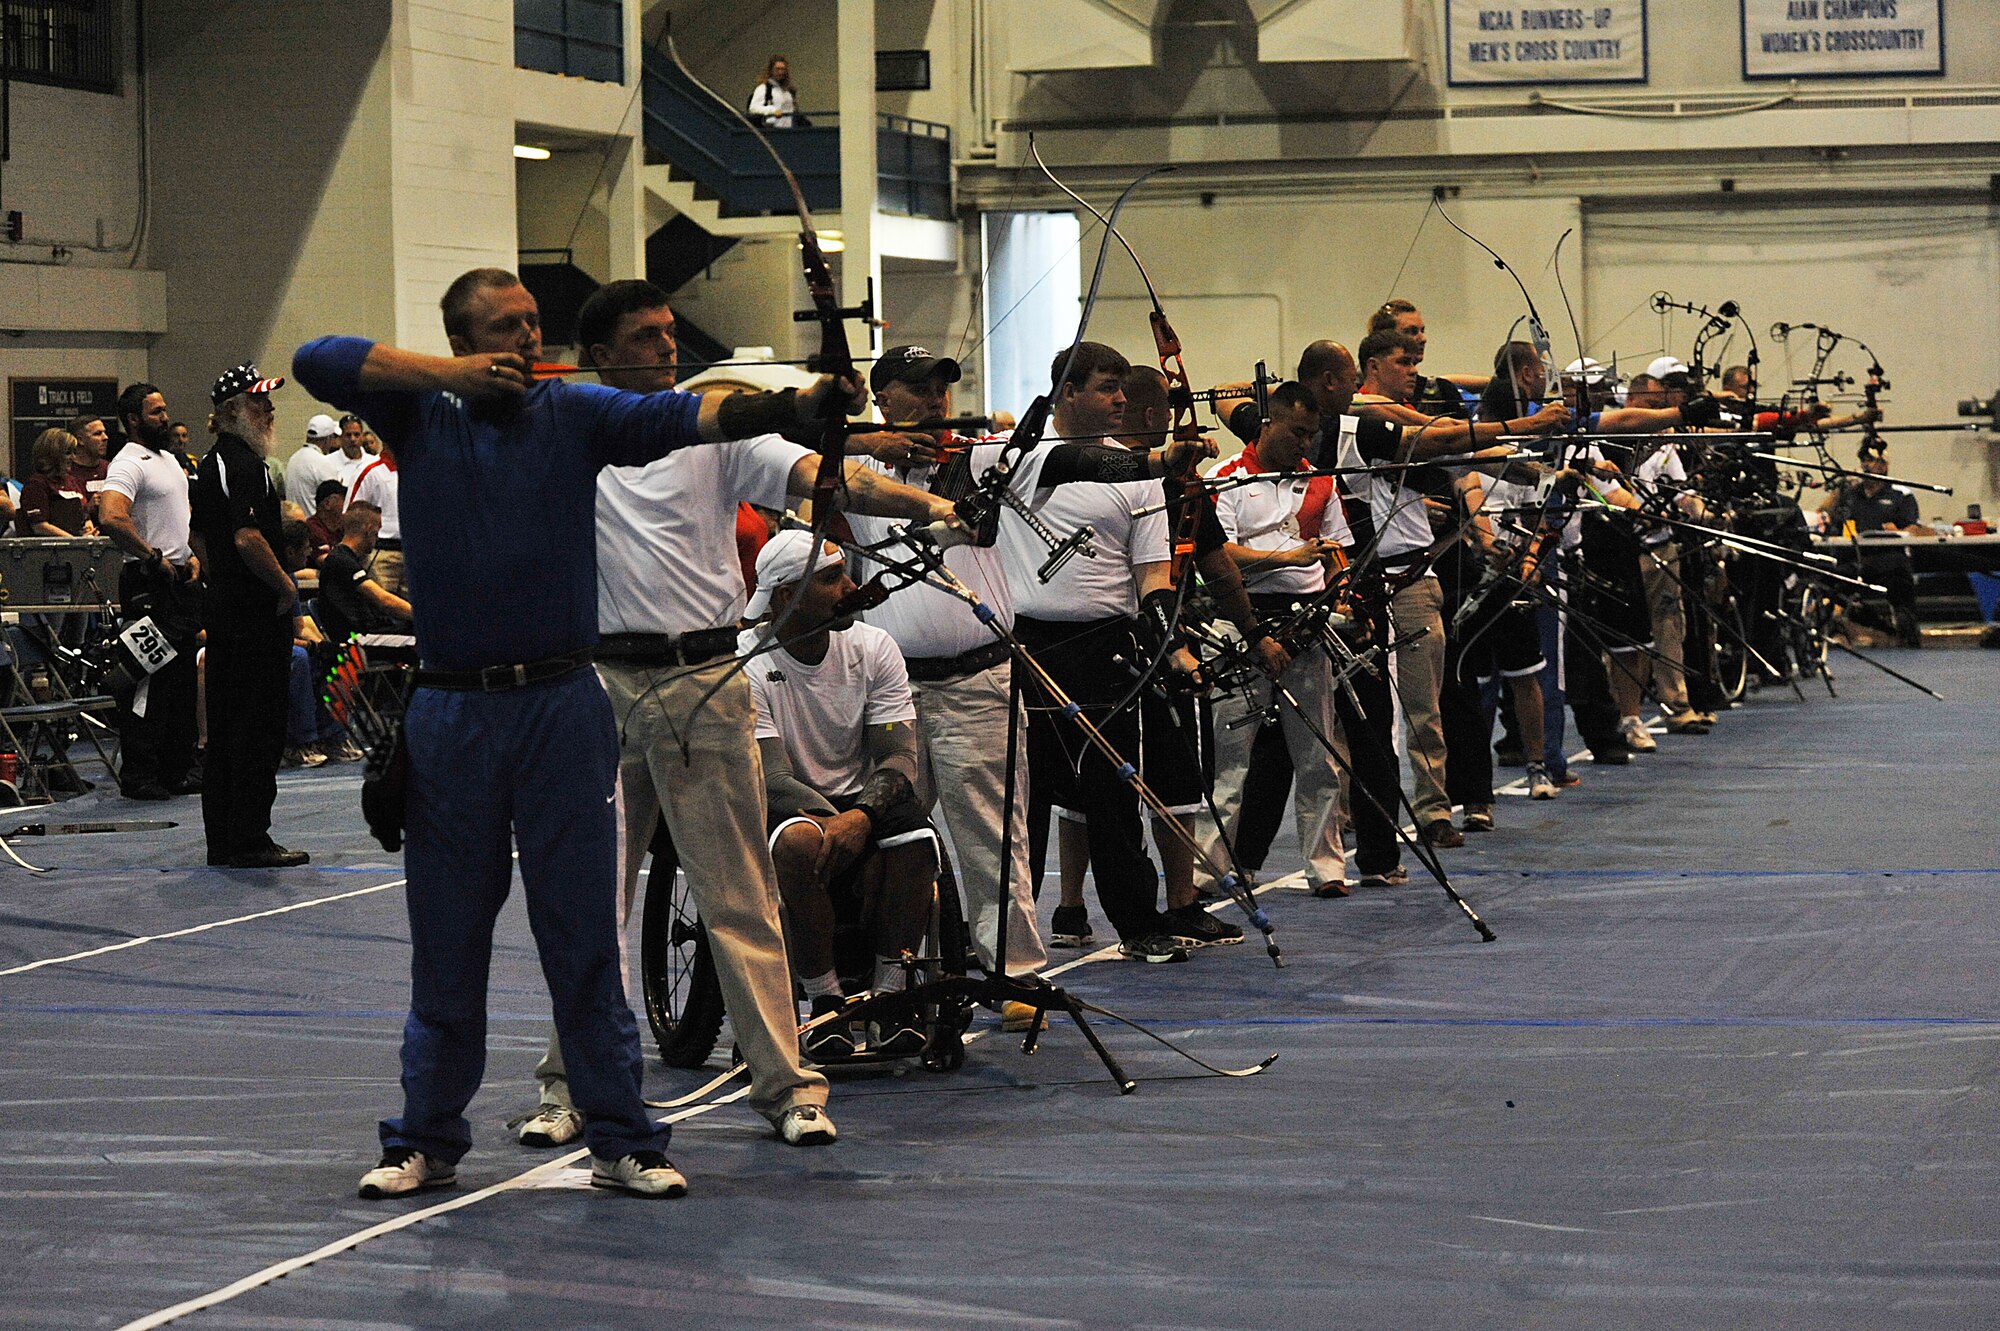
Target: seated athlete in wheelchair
857 860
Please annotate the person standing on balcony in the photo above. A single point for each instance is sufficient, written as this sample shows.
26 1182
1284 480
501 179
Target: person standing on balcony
774 102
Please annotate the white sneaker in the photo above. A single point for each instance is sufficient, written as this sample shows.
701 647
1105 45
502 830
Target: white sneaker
404 1171
1637 737
551 1125
642 1173
807 1125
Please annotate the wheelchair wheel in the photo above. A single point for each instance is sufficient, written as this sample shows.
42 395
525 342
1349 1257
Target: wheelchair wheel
1732 660
683 997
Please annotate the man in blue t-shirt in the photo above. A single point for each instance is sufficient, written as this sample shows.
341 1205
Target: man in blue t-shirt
511 740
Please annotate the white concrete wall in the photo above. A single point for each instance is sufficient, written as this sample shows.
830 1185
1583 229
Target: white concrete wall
451 153
73 169
272 203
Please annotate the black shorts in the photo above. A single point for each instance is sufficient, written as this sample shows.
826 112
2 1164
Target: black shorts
1608 594
1176 751
902 824
1501 639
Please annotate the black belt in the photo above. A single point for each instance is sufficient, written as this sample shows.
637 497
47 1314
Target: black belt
500 678
389 543
660 649
932 669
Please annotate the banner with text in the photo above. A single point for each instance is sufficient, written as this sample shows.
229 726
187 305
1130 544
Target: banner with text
1789 39
1498 44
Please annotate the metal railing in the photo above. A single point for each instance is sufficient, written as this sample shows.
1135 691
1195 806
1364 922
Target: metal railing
708 145
64 43
912 166
582 38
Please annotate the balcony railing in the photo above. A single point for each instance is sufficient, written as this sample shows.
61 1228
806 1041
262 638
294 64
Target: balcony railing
710 146
582 38
67 43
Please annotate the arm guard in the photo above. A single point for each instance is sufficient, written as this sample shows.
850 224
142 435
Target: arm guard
783 791
1093 462
893 750
747 415
1156 620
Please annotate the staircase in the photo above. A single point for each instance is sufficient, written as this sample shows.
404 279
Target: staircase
716 173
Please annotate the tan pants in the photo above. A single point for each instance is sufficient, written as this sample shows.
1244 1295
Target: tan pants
714 806
962 771
386 566
1419 679
1660 572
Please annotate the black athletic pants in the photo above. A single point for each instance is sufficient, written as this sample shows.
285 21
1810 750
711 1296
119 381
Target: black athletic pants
159 747
249 681
1065 768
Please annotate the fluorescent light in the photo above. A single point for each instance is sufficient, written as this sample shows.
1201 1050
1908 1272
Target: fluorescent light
830 242
528 153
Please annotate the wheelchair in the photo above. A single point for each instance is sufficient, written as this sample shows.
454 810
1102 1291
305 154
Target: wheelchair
683 995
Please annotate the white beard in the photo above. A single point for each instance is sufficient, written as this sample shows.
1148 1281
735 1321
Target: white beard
260 439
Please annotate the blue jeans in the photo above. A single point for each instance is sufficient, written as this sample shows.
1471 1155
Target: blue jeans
536 768
306 718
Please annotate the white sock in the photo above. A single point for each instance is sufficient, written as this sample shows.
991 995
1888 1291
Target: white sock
821 986
889 975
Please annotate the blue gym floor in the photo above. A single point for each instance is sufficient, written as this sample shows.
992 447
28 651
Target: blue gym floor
1732 1063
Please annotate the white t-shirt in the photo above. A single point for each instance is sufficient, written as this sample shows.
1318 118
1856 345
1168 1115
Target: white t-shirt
821 711
377 485
666 533
1085 588
303 474
1266 515
347 470
158 489
1664 462
924 621
1402 525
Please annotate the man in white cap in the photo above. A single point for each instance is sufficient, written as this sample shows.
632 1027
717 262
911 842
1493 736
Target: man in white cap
251 614
313 463
836 727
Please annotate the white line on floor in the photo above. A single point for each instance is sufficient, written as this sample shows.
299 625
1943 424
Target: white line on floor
529 1179
199 928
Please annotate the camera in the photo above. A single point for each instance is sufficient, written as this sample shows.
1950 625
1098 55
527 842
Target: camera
1980 406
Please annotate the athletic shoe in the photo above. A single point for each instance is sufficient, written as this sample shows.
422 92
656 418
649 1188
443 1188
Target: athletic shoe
1191 926
1019 1016
1326 891
1440 833
1395 877
1569 781
642 1173
806 1125
1540 786
1686 723
405 1170
898 1037
551 1125
1070 927
1637 738
1153 948
347 751
833 1040
1478 818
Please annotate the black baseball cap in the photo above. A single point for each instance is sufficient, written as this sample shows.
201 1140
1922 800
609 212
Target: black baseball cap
330 487
911 365
243 379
